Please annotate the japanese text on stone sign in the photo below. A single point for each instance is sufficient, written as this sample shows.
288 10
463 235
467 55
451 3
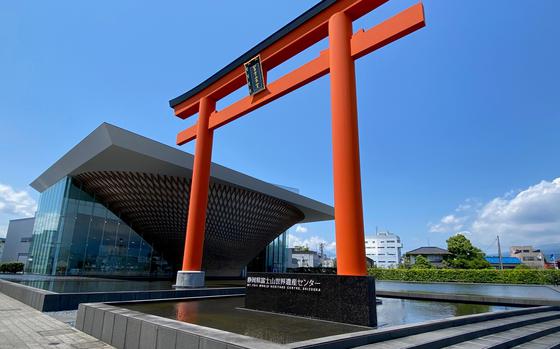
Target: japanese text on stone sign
296 284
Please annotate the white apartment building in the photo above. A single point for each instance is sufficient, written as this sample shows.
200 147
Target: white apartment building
385 249
305 258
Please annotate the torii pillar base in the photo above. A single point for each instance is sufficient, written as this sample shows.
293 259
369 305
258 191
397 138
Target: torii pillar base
189 279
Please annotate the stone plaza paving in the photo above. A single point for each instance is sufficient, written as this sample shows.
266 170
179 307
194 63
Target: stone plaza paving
24 327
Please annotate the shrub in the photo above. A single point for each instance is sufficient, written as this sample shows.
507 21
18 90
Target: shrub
509 276
312 270
422 263
11 267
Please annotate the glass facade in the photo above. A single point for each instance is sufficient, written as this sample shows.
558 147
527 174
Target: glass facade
75 234
273 258
276 254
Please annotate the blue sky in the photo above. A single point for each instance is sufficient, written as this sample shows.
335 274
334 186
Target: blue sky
459 121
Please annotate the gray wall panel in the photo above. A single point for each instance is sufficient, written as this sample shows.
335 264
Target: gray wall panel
16 250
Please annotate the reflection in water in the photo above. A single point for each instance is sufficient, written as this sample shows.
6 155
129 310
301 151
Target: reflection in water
467 309
396 311
225 314
187 312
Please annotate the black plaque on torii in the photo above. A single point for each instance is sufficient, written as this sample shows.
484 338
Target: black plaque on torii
255 76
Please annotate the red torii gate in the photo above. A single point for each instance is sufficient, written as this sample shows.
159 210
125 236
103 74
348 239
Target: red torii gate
328 18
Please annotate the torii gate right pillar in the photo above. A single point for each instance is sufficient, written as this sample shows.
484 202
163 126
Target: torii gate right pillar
348 212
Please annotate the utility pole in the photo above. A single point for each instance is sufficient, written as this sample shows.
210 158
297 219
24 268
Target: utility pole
500 253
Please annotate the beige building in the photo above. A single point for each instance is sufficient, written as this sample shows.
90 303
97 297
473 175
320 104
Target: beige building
528 256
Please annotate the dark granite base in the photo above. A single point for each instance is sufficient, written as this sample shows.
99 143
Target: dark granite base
348 299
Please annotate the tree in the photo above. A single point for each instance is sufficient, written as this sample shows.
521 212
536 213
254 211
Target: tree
464 255
405 264
421 262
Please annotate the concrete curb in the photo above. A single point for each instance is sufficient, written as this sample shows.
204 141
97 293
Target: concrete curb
31 296
51 301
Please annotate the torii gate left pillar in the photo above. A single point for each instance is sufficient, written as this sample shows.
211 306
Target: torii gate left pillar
192 274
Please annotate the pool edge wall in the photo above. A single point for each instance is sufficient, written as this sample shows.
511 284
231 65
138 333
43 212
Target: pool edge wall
45 301
121 327
34 297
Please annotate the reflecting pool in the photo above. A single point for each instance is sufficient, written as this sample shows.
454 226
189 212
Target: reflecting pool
227 314
496 290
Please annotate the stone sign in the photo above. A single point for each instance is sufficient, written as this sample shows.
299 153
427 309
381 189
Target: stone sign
348 299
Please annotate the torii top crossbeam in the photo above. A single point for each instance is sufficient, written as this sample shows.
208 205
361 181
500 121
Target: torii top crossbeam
329 18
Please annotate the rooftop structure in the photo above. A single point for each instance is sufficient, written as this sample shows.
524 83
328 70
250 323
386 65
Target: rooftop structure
506 262
429 250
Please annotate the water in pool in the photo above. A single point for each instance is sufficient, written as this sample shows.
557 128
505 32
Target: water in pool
226 314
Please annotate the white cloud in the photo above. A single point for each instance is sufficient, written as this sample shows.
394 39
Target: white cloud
449 223
3 231
16 202
313 243
301 229
468 205
530 216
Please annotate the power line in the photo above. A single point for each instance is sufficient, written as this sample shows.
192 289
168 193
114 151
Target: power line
492 244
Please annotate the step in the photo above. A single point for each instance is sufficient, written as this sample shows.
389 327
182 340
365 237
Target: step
401 331
515 337
458 334
552 341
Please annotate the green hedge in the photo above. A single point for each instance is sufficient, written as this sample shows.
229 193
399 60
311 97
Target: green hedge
510 276
312 270
11 267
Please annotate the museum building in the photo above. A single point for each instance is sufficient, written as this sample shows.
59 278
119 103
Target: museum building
116 205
